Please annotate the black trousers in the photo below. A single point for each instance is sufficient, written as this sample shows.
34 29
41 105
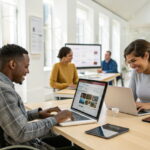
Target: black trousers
60 143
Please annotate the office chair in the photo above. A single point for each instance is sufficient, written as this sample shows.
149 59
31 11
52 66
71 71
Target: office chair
13 147
19 147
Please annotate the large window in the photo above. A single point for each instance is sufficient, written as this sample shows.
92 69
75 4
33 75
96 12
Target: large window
53 32
11 32
48 26
104 33
8 22
116 41
81 23
84 22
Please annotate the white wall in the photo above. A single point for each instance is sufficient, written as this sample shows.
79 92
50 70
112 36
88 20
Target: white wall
35 79
142 17
140 24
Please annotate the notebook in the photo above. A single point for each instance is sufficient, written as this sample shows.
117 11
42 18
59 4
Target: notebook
122 98
87 102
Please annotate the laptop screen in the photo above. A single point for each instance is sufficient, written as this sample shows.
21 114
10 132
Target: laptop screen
89 97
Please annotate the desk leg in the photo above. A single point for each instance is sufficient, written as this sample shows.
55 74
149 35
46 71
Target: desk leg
115 82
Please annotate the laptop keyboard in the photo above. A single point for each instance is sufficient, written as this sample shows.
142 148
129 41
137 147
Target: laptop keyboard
79 117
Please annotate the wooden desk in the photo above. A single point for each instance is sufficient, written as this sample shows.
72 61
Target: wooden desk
138 138
110 76
102 76
52 103
67 93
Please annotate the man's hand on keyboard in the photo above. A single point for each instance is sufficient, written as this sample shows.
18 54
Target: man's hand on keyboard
63 116
50 112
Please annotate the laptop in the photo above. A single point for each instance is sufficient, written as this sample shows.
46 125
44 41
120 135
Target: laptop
87 102
122 98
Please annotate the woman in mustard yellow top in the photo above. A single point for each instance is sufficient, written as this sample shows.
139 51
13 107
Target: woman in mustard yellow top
64 73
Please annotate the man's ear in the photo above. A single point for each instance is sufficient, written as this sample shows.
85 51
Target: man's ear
12 64
146 56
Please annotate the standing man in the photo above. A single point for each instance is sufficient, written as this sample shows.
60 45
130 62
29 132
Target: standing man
15 125
108 65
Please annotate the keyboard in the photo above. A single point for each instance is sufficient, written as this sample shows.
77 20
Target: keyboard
79 117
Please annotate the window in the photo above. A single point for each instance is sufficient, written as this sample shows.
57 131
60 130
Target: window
116 41
10 32
53 33
81 23
47 21
84 25
8 22
104 33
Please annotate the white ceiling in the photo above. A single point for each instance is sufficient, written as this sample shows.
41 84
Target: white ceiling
126 9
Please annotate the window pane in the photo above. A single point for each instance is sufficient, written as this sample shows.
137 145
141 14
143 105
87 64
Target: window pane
8 19
84 25
54 37
47 19
116 41
104 33
12 2
47 47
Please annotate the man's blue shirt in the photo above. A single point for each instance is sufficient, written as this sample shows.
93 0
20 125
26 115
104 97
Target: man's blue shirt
110 66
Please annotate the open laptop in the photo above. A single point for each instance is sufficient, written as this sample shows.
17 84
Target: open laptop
123 99
87 102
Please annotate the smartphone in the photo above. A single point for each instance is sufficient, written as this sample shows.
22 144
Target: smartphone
107 131
146 119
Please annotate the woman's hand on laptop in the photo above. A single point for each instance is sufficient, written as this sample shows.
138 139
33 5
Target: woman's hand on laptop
142 106
48 112
63 116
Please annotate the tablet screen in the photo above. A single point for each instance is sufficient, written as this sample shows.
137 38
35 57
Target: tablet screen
107 131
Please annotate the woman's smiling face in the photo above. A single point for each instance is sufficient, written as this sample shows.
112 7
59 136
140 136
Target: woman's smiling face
140 64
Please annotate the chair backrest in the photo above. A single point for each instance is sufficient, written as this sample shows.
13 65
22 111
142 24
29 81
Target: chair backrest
2 140
19 147
13 147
